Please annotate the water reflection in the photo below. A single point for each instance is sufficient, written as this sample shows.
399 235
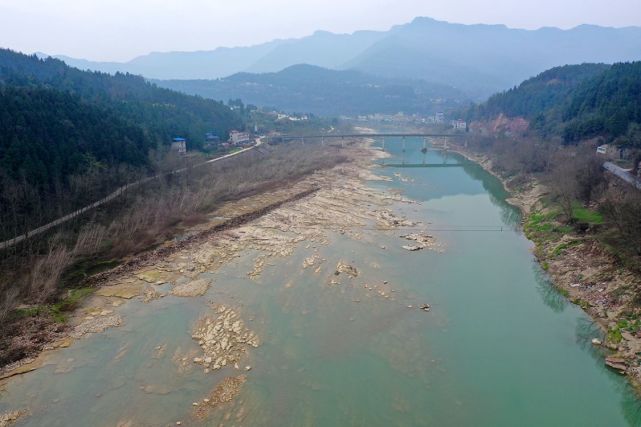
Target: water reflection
549 294
510 215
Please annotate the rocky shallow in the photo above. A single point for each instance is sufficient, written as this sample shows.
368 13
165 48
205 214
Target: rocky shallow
340 203
223 338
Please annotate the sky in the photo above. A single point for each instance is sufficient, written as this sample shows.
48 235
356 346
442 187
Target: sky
118 30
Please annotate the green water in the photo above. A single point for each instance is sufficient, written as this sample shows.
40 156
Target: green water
499 348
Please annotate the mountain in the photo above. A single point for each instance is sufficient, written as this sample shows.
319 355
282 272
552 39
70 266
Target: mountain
317 90
482 59
323 49
57 121
478 59
575 102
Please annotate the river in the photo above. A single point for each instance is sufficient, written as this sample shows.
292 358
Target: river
499 347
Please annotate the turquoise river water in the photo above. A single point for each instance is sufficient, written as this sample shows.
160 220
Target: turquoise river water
500 347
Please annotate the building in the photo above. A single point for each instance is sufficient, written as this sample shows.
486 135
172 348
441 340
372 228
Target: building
238 138
179 145
439 117
610 151
459 124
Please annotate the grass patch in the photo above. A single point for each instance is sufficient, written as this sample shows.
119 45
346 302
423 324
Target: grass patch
559 249
581 303
614 335
23 313
59 311
86 268
586 215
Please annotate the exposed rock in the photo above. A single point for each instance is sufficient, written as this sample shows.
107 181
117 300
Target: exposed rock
192 289
311 261
387 219
422 240
223 339
121 290
617 363
96 325
153 276
345 268
224 392
8 418
150 294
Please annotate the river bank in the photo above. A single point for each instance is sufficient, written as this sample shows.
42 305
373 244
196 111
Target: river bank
585 272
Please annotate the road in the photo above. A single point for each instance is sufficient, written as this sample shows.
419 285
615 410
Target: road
119 192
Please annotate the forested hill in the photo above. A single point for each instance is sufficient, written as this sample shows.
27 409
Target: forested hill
576 102
56 121
310 89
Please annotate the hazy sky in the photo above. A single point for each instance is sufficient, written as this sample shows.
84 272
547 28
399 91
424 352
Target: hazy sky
122 29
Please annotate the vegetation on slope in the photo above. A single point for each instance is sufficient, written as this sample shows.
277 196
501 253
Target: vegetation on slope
574 102
68 137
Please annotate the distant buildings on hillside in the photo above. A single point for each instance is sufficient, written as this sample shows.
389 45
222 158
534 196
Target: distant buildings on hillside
179 145
213 142
291 117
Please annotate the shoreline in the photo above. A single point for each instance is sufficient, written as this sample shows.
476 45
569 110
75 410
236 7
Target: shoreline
563 268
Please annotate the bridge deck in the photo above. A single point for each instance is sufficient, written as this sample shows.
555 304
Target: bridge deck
370 135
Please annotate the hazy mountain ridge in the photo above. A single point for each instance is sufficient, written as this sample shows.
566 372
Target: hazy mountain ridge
311 89
479 59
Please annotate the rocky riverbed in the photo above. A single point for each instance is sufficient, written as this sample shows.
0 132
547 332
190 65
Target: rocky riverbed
339 201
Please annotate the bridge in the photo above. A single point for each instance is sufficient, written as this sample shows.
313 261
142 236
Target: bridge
283 138
425 135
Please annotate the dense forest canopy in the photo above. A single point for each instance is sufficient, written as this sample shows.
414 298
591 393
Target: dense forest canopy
55 120
576 102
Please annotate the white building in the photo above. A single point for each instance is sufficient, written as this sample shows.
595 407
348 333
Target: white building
459 124
238 138
179 145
